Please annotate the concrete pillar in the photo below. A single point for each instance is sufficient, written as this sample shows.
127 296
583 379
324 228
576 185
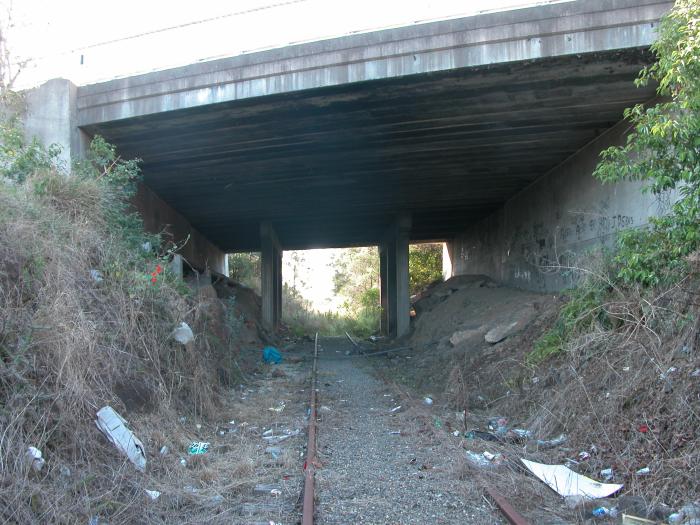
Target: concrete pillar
383 289
51 117
396 277
271 276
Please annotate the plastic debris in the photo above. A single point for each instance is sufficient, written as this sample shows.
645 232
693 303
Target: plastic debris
478 434
278 408
114 427
183 333
34 456
643 471
566 482
499 425
146 246
183 462
65 471
695 373
271 355
198 426
268 432
628 519
455 433
601 512
522 433
607 474
164 450
485 459
428 401
198 447
96 276
275 452
395 409
324 408
153 494
551 443
278 439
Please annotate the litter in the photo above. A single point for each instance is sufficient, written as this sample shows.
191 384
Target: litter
278 439
484 460
278 408
522 433
198 426
601 512
114 427
478 434
428 401
183 462
198 447
268 432
395 432
183 333
271 355
566 482
499 425
551 443
276 492
96 276
153 494
164 450
643 471
34 456
275 452
695 373
607 474
628 519
395 409
324 408
455 433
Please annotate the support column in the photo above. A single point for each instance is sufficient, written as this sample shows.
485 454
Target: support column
396 277
383 289
271 276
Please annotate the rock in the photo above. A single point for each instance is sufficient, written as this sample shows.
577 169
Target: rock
461 336
500 332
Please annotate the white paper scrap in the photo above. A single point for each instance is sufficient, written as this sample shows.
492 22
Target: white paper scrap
114 427
566 482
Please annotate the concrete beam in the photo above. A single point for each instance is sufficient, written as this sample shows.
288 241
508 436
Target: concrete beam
271 276
568 28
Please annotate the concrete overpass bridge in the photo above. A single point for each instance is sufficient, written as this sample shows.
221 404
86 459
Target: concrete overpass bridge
480 131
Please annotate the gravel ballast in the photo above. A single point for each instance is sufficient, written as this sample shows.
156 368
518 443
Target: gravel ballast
379 465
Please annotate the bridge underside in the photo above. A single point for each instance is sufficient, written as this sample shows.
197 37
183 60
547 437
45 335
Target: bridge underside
335 166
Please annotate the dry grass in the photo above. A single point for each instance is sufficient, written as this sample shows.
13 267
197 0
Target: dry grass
70 345
603 393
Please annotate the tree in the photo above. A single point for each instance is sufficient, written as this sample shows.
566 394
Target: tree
663 151
424 266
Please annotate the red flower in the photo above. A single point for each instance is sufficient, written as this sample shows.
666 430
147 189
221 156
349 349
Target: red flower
154 280
158 268
643 428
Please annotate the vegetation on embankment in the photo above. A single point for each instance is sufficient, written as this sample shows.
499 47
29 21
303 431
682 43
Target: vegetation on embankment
87 311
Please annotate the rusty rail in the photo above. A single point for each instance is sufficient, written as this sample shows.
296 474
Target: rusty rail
512 515
307 517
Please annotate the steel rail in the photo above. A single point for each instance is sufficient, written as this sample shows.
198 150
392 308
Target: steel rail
307 517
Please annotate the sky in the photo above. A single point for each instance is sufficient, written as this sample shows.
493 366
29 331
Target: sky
91 41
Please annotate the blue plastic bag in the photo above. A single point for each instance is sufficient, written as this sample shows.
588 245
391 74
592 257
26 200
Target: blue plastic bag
272 355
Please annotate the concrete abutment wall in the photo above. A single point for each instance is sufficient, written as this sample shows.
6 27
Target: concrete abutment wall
554 221
51 117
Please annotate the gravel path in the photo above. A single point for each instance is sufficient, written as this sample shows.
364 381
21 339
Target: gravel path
372 474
